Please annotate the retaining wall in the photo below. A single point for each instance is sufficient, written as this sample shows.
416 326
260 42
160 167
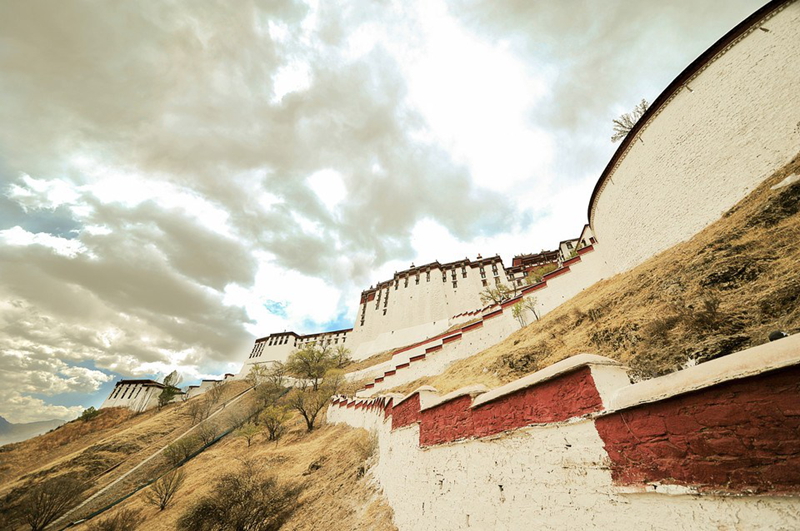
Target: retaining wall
576 446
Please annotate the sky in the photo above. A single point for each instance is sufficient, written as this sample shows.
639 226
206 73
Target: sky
178 178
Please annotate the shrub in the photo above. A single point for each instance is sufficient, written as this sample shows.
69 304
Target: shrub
122 520
180 450
207 432
88 414
247 499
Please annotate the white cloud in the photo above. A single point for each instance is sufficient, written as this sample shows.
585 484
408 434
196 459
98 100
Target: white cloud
293 77
329 186
17 236
42 193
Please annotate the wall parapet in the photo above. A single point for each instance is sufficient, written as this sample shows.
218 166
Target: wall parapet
730 424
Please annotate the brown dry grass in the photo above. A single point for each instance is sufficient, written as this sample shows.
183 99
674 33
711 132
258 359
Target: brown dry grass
722 291
369 362
329 463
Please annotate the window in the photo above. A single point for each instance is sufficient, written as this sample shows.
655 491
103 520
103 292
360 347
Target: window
497 280
428 276
396 284
455 283
417 279
384 311
444 276
483 273
484 282
464 272
405 285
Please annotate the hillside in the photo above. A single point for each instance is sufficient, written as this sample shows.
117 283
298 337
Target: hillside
118 451
11 433
722 291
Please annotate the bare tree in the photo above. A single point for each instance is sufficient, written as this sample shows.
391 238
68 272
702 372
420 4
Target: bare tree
257 375
247 432
198 409
207 431
309 402
215 392
268 394
624 124
276 373
164 488
274 419
47 501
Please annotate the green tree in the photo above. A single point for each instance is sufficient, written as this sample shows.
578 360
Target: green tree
518 311
309 401
310 363
247 432
88 414
170 389
341 357
495 295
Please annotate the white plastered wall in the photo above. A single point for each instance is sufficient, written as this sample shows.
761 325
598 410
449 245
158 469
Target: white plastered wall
732 125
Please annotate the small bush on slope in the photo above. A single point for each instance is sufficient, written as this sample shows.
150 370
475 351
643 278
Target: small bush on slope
247 499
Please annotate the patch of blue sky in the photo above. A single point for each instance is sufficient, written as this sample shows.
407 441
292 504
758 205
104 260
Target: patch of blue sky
337 323
276 308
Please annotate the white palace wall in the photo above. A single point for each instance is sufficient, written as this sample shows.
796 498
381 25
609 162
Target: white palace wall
720 134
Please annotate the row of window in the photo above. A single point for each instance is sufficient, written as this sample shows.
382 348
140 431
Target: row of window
124 389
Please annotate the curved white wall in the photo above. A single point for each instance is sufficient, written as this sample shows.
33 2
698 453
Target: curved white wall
731 126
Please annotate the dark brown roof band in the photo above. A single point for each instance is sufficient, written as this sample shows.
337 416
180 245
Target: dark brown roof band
694 67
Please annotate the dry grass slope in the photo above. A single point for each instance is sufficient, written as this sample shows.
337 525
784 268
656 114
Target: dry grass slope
722 291
337 492
330 464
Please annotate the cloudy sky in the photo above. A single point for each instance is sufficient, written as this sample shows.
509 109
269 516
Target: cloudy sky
177 178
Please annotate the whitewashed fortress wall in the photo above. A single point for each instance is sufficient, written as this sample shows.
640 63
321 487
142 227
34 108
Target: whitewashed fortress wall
420 301
718 131
277 347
